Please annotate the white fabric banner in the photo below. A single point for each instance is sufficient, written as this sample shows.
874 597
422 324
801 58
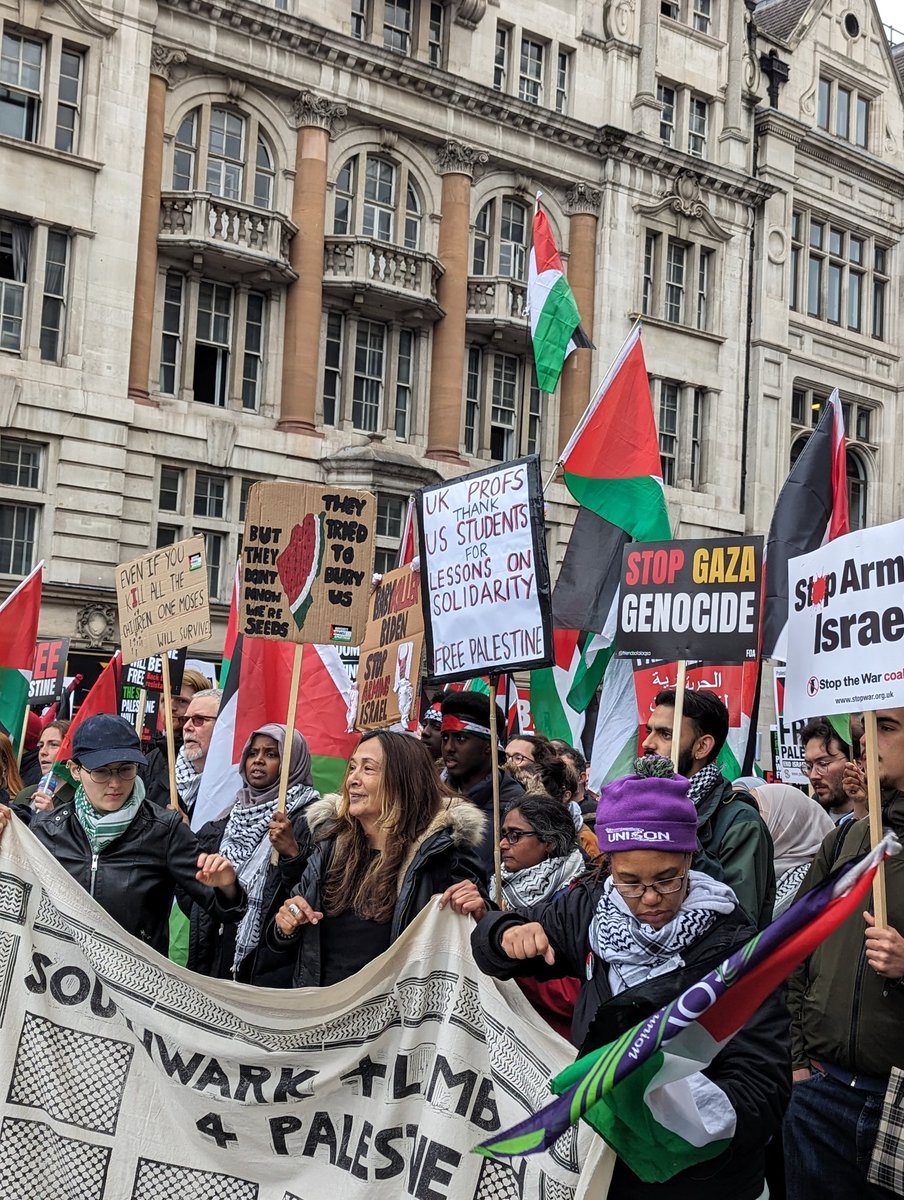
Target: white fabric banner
128 1078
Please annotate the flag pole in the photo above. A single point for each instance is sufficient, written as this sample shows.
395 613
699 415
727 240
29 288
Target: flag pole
170 739
142 709
680 687
287 741
594 400
494 769
874 801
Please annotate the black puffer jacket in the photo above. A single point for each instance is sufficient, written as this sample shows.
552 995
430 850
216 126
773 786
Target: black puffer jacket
446 853
211 942
135 877
753 1069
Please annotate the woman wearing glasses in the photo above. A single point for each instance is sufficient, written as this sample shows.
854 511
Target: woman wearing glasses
637 939
130 855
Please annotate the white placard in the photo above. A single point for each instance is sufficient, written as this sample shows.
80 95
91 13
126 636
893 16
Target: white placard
846 625
485 577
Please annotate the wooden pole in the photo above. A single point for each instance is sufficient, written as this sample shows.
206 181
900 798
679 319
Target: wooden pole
874 800
287 743
142 709
680 685
494 769
166 701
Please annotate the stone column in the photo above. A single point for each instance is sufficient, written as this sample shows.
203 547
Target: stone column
162 62
456 163
735 136
583 205
645 104
314 118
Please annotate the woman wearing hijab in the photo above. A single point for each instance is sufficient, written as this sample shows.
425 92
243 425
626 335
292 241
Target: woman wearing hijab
245 836
637 939
799 825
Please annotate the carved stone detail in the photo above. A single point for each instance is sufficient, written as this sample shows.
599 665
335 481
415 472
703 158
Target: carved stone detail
457 158
163 60
96 624
310 110
582 198
687 201
469 13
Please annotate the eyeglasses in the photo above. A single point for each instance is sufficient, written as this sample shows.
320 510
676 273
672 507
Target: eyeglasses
634 891
197 719
518 759
514 836
822 767
127 771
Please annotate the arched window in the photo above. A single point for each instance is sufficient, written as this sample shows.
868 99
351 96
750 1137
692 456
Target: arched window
213 151
378 198
501 233
856 490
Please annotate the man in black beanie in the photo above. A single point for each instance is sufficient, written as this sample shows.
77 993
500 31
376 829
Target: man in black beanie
468 765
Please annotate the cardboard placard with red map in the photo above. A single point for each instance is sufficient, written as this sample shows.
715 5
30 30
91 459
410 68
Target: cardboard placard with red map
307 563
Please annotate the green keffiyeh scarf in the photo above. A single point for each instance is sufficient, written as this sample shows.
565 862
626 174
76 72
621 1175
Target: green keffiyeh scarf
103 828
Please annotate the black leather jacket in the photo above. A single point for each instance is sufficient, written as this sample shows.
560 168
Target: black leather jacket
136 876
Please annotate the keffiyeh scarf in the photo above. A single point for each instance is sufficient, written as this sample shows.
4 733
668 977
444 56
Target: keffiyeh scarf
521 890
103 828
246 844
188 781
703 782
634 952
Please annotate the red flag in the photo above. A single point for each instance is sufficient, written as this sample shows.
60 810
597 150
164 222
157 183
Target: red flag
102 698
408 542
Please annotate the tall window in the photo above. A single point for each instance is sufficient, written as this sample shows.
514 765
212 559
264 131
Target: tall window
368 382
650 250
192 502
666 97
21 472
388 531
397 25
698 115
68 100
843 111
332 369
530 78
501 239
563 75
504 411
668 431
838 275
684 119
383 372
473 392
676 264
436 34
237 161
212 342
678 281
15 240
53 307
703 15
359 19
500 58
382 202
680 410
21 63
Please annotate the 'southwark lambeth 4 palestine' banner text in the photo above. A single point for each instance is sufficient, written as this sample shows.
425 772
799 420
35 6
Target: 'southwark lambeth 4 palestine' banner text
125 1077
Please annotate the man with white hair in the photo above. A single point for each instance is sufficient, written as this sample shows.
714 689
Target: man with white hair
200 718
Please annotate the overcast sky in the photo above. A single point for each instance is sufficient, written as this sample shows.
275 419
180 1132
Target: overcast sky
892 12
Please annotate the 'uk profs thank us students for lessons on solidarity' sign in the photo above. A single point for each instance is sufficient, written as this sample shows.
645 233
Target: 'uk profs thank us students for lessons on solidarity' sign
307 563
390 662
163 600
698 599
484 572
846 624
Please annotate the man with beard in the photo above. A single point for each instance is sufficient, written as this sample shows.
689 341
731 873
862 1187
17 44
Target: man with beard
825 758
735 845
200 718
468 765
847 1012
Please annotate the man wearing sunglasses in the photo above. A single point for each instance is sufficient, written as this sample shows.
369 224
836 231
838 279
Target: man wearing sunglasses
197 730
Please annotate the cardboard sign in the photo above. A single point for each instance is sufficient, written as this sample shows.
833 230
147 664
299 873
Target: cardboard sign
484 572
48 672
691 600
787 751
147 673
724 680
163 600
307 563
846 625
391 652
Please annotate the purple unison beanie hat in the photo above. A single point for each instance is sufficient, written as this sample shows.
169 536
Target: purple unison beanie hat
646 814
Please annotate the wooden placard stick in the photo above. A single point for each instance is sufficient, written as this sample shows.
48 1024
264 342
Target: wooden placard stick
494 770
286 761
166 701
874 799
680 687
142 709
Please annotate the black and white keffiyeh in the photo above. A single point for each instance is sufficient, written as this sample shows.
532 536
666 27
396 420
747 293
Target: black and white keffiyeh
634 952
521 890
188 780
702 782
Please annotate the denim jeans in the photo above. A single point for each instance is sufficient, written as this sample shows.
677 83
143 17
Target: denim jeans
829 1132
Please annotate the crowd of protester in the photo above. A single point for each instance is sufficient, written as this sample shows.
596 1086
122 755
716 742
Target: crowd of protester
605 909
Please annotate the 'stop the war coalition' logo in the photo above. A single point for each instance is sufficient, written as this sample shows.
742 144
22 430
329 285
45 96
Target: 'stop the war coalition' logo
813 686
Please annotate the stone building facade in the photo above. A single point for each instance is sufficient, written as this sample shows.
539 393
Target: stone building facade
287 241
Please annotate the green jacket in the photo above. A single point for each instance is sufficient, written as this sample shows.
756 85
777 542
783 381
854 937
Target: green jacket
842 1012
736 846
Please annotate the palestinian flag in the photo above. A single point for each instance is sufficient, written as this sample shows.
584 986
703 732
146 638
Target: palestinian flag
812 509
257 693
232 628
555 323
616 738
550 711
19 614
407 545
632 1091
102 698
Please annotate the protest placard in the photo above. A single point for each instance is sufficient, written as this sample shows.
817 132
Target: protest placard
146 675
484 572
788 753
391 651
48 672
846 625
723 680
163 600
691 599
307 563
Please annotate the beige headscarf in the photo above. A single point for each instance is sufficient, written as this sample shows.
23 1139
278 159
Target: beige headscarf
797 822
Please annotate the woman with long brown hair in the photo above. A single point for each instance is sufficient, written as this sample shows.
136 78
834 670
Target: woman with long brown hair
10 779
393 838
